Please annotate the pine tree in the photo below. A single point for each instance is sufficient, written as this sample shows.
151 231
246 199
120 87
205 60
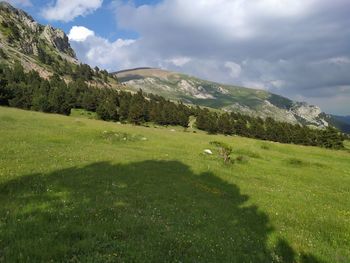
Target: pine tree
5 93
108 111
137 109
40 98
89 101
240 127
124 100
331 138
225 125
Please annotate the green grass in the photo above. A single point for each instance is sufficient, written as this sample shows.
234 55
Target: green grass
80 113
347 145
73 190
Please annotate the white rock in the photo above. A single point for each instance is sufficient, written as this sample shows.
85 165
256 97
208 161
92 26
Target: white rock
207 151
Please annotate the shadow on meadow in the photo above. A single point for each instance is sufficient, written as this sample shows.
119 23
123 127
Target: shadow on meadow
152 211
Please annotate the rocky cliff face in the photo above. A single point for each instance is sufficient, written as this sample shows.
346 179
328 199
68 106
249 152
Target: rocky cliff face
20 33
42 48
58 39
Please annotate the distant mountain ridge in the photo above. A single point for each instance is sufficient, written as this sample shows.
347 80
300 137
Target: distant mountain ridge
126 70
341 122
193 90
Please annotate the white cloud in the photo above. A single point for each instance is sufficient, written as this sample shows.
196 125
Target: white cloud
228 19
297 48
67 10
234 68
98 51
278 84
255 85
179 61
80 33
340 60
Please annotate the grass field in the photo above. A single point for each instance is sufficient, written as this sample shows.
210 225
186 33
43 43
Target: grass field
80 190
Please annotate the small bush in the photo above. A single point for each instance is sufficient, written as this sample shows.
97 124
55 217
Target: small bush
242 159
224 151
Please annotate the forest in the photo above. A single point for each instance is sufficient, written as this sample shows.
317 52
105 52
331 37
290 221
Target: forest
27 90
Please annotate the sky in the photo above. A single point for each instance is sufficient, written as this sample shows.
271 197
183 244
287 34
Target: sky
296 48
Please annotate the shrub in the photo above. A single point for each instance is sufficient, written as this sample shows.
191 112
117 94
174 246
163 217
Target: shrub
242 159
224 151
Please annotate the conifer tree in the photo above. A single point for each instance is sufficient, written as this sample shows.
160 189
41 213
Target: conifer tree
108 111
225 125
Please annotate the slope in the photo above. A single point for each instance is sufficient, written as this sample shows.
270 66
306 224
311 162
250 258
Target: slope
42 48
229 98
74 189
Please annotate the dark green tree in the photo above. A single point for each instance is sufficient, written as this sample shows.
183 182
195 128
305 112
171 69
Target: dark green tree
225 125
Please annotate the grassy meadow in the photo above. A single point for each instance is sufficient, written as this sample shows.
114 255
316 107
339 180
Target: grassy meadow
74 189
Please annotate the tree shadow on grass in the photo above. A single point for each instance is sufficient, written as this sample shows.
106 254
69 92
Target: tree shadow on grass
152 211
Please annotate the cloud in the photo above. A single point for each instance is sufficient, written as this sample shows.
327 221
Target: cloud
179 61
80 33
20 2
339 60
235 69
296 48
67 10
101 52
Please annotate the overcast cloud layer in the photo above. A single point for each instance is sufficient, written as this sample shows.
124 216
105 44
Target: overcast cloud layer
296 48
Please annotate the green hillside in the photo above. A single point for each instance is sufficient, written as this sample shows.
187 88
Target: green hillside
80 190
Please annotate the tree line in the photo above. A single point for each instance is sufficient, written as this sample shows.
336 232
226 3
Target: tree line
30 91
267 129
62 67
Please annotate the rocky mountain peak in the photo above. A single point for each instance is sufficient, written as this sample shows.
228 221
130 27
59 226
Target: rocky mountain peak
20 15
21 30
58 39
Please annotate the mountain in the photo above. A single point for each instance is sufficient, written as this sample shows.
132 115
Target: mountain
341 122
37 47
47 50
193 90
42 48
